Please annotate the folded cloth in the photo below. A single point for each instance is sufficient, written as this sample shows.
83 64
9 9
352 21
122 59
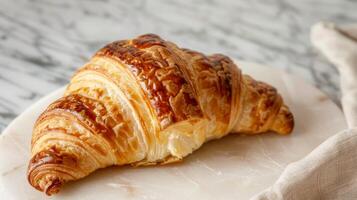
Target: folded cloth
339 45
330 170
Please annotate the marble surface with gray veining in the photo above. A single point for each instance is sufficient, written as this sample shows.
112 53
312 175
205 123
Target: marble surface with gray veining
42 42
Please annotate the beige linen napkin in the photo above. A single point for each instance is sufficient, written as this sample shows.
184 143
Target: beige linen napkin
329 171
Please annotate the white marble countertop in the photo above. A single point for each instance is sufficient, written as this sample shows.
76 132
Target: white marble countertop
43 42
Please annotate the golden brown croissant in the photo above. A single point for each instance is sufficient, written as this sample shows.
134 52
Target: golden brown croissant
146 101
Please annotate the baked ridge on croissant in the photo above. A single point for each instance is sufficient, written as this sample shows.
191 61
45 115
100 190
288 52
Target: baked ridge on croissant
146 101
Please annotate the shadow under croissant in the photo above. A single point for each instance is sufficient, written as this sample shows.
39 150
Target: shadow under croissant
234 148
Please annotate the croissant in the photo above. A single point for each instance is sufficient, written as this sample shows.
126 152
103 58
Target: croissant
146 101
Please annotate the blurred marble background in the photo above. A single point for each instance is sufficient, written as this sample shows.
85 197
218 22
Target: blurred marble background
43 42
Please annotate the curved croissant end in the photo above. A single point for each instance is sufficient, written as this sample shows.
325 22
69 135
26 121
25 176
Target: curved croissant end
146 101
265 110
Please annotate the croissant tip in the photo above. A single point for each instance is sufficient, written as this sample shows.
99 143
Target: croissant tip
284 122
49 187
52 187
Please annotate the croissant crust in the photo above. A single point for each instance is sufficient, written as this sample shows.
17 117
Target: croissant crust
147 101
